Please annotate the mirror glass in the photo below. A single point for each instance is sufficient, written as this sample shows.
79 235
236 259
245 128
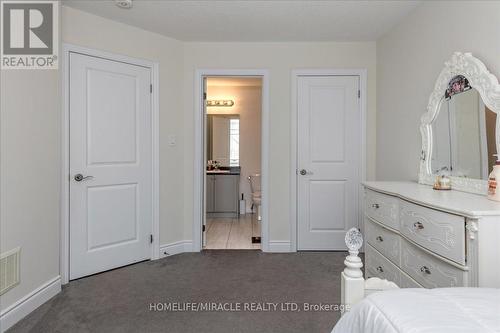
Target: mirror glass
463 135
223 139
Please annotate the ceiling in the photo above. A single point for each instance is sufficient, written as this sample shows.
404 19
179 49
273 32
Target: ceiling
234 81
257 21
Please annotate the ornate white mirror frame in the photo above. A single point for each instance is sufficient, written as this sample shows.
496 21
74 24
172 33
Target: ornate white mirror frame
488 88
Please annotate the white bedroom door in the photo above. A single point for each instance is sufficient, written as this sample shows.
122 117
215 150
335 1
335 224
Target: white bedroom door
110 164
329 154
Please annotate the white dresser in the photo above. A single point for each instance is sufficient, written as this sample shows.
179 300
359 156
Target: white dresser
419 237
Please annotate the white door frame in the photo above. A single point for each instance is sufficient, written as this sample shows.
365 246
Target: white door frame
199 162
362 73
65 147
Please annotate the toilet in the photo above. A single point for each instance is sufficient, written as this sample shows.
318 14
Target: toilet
255 188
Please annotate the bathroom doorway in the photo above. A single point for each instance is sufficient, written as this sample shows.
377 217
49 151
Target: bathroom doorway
232 155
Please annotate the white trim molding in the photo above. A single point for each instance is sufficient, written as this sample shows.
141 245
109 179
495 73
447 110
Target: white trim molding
170 249
279 246
29 303
295 74
65 181
199 161
488 88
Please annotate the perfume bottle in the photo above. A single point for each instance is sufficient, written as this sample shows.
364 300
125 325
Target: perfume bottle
494 177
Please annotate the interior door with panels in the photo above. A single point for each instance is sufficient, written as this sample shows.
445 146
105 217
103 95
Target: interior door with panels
110 164
329 154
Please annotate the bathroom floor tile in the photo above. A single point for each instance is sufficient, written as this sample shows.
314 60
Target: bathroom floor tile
233 233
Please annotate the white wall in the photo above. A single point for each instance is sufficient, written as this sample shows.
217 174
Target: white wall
29 176
91 31
248 105
30 180
279 59
409 60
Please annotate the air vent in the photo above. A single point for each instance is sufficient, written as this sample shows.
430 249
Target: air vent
9 269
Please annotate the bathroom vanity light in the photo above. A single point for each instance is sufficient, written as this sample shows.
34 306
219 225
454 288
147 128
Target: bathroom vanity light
220 102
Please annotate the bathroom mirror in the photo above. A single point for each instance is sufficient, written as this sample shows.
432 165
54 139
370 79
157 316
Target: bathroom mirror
460 130
223 139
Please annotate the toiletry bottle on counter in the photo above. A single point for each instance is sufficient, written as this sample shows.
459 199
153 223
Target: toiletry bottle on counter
493 180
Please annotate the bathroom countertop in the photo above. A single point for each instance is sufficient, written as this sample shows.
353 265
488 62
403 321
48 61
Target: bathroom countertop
225 171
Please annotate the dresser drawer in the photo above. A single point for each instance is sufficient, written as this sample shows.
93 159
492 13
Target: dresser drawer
383 240
408 282
378 266
428 270
437 231
382 208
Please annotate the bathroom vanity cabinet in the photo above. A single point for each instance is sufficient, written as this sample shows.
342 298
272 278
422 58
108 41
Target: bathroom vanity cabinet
222 195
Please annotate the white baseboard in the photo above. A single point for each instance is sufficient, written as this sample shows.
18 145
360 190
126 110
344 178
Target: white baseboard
176 248
28 303
279 246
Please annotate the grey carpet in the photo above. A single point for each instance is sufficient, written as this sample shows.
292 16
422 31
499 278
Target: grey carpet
119 300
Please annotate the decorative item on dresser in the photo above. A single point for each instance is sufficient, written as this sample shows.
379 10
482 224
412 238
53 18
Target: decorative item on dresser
418 237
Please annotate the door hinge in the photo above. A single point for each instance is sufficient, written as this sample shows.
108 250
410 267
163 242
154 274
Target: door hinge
151 239
203 228
359 93
151 88
204 96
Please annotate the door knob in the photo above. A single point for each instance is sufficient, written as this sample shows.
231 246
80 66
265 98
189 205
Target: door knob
79 177
303 172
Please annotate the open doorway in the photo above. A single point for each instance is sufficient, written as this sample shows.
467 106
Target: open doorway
233 160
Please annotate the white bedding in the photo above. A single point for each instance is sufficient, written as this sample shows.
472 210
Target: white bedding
443 310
